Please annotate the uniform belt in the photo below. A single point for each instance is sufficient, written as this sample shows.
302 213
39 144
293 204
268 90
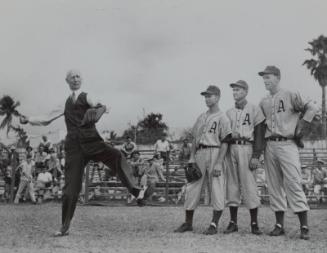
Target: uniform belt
277 138
240 142
202 146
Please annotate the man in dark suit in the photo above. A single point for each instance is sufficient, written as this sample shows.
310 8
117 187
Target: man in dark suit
82 144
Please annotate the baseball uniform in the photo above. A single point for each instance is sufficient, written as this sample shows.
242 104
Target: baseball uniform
238 175
282 111
209 131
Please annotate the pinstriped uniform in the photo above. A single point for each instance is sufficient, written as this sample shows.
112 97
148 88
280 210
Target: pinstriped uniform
209 130
239 177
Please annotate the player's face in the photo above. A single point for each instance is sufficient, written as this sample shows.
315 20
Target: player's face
239 93
271 81
211 99
74 80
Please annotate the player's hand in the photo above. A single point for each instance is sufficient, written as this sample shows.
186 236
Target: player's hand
216 172
302 128
235 135
254 163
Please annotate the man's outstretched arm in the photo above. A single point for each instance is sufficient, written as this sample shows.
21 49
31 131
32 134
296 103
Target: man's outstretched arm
41 120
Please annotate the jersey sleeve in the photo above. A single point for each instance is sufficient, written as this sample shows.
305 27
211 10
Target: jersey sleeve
258 116
225 127
195 128
305 106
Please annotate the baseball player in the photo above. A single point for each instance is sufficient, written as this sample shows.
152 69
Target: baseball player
211 133
245 147
282 110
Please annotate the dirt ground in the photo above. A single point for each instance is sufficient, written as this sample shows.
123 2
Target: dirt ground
29 228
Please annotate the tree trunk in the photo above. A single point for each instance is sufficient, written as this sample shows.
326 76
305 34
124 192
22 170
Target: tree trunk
323 112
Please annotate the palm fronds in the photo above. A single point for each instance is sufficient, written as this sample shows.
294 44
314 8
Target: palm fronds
8 110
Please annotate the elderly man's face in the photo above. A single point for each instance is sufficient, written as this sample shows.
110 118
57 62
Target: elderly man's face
74 80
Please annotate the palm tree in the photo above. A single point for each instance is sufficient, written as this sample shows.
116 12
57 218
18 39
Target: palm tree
8 110
318 69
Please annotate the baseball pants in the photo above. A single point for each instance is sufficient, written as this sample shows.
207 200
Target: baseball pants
206 160
283 173
239 178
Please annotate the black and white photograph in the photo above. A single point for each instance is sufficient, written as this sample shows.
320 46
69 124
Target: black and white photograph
163 126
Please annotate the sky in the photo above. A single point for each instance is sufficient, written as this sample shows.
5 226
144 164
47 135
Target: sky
152 56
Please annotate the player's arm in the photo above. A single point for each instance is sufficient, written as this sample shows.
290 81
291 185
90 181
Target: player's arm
221 156
308 109
225 137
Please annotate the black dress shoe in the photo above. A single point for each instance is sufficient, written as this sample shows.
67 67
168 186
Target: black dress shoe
143 195
305 233
211 230
278 230
255 229
232 227
184 228
61 233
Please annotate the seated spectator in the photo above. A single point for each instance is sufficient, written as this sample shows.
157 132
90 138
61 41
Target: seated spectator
29 151
43 185
137 163
153 173
319 175
54 165
27 169
46 144
40 159
162 146
184 155
306 178
128 148
44 179
7 179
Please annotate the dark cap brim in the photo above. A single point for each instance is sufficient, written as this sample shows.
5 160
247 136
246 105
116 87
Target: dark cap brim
206 93
235 84
232 85
263 73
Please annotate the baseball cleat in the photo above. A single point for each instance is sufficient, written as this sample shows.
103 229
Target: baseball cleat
232 227
211 230
255 229
278 230
305 233
184 228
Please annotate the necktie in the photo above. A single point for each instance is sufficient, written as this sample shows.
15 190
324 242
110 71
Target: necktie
74 97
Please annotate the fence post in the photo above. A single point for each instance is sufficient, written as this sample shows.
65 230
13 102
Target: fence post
87 182
167 179
13 175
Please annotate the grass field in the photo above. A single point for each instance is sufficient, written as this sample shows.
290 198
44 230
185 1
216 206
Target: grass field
28 228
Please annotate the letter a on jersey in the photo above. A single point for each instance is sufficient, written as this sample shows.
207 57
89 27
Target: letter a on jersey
213 127
247 119
281 107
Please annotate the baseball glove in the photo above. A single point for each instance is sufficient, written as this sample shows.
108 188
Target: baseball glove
192 172
93 115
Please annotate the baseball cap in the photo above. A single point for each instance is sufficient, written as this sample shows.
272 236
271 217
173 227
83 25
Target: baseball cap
240 83
270 70
211 90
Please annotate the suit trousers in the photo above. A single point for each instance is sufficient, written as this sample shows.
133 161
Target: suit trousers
77 158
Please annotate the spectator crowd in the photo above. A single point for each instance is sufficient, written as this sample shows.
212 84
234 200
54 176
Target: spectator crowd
39 174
